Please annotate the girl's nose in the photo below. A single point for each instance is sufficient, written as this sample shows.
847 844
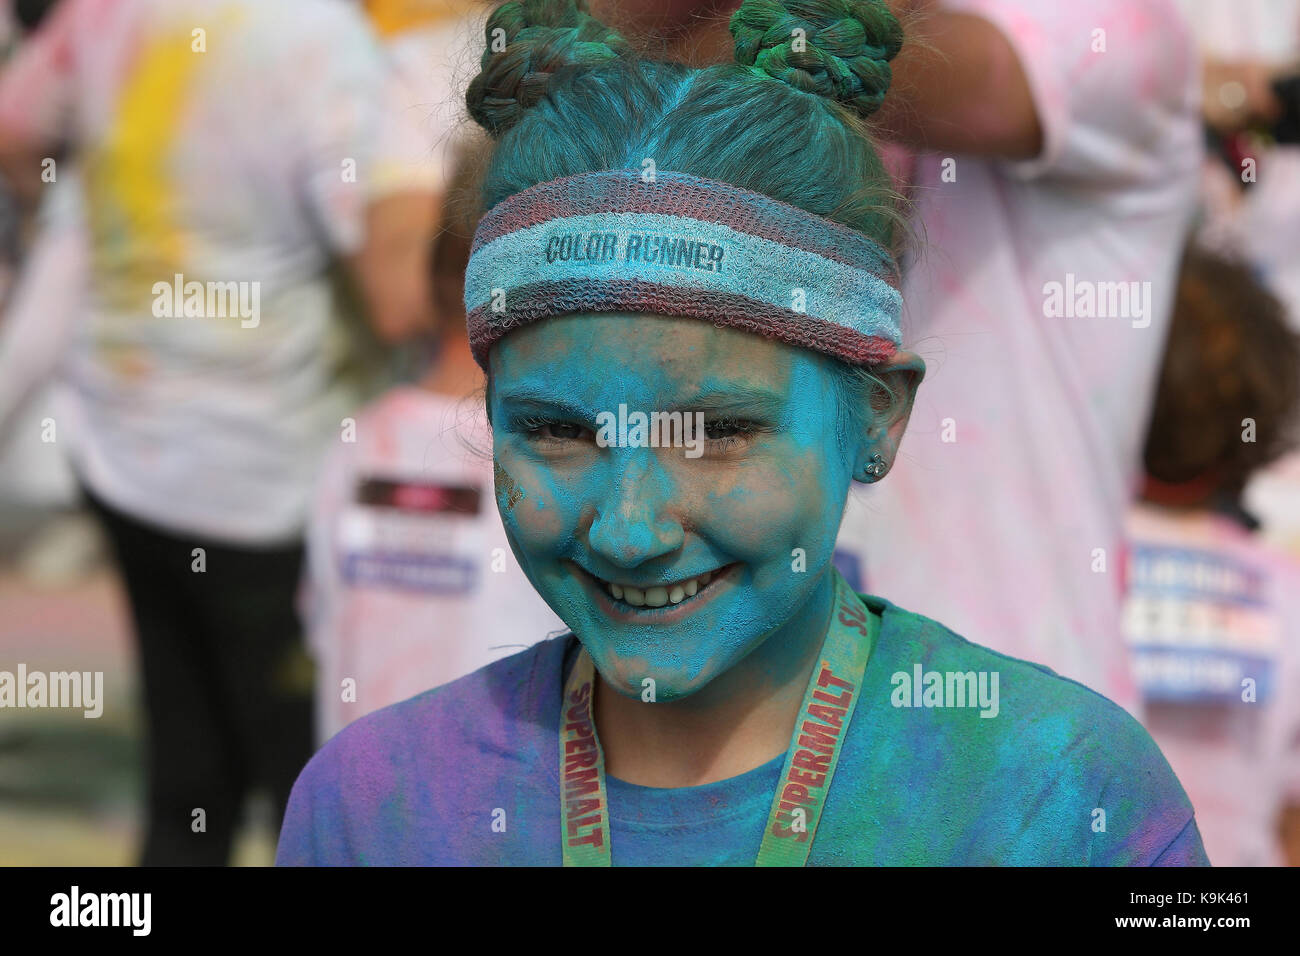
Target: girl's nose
637 520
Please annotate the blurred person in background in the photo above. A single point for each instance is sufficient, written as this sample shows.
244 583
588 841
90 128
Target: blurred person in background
1251 185
44 526
1046 146
1059 150
1251 209
230 153
412 582
424 44
1246 46
55 540
17 19
1250 51
1211 610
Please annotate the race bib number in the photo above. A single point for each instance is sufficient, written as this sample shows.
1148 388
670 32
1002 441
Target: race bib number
1200 625
412 536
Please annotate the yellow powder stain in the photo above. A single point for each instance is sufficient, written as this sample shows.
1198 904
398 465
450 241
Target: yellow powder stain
137 239
506 487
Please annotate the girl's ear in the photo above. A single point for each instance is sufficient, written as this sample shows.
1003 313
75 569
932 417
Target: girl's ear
879 446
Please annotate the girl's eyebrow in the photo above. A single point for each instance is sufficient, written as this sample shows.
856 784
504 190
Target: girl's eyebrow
528 400
746 397
735 397
536 392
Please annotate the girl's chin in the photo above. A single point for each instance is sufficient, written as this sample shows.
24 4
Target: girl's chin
648 678
661 691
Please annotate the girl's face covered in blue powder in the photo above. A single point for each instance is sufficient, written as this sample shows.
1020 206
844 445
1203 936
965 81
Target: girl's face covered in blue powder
671 563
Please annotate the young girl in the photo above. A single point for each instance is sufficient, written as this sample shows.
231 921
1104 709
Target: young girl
684 297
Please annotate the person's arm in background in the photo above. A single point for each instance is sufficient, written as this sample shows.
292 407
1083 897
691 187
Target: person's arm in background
1239 94
958 86
36 92
1105 92
36 95
380 234
39 317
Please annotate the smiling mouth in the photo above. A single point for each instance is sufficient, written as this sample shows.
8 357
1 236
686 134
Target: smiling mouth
662 595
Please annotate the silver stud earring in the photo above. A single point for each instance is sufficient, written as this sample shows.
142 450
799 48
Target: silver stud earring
876 468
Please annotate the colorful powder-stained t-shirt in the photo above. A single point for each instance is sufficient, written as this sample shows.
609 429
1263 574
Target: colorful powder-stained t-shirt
1040 771
212 360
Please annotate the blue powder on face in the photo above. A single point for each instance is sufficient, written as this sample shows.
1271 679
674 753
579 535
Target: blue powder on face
788 495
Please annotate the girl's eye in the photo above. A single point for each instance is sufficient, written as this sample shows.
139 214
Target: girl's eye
548 429
729 434
727 428
562 430
721 435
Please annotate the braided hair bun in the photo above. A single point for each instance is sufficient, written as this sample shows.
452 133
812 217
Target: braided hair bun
528 41
839 49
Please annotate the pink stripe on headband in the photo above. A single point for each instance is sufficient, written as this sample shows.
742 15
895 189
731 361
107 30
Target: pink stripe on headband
728 311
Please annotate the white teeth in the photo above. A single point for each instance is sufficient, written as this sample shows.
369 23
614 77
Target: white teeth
660 594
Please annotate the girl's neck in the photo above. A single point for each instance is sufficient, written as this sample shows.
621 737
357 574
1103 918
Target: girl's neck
740 720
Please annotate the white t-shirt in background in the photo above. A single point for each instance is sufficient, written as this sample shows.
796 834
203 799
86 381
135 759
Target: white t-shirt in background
229 142
1002 517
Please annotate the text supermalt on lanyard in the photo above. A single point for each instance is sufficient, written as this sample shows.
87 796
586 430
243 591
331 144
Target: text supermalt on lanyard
584 801
811 764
